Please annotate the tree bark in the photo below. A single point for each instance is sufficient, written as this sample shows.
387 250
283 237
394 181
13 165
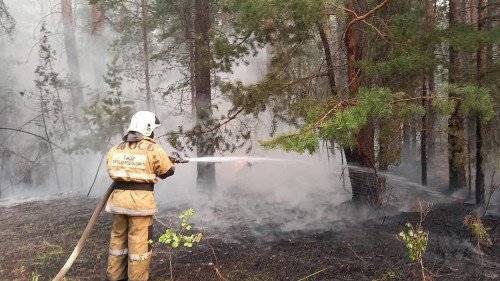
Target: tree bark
98 15
429 24
367 188
205 171
431 87
480 131
72 55
351 45
326 39
190 34
146 52
423 133
456 165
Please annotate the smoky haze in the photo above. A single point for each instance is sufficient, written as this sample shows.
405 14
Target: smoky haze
295 192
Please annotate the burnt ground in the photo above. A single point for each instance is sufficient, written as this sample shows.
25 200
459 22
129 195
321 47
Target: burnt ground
37 237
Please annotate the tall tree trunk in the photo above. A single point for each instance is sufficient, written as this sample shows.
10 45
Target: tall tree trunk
326 39
429 25
206 171
98 15
423 133
457 178
146 52
481 58
341 58
431 87
98 44
431 121
351 46
72 55
189 22
366 187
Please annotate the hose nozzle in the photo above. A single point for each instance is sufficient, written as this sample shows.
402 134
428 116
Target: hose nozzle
183 160
179 160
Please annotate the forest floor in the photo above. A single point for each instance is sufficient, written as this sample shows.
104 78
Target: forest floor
37 237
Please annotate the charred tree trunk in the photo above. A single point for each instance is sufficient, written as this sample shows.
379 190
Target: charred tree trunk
457 178
206 171
480 132
146 52
72 55
365 184
367 189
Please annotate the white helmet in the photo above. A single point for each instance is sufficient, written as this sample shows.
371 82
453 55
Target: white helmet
144 122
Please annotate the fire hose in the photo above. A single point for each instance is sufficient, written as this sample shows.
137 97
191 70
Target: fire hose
90 226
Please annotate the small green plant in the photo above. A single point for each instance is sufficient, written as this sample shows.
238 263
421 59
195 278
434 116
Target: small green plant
480 231
416 239
174 239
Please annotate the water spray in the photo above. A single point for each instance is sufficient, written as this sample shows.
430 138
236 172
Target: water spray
227 159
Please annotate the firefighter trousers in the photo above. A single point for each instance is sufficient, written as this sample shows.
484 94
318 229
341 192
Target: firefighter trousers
129 248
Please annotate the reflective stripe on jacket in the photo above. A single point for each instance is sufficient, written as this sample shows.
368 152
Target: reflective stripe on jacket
139 162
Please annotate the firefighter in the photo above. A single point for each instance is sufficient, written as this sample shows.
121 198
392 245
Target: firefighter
134 166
